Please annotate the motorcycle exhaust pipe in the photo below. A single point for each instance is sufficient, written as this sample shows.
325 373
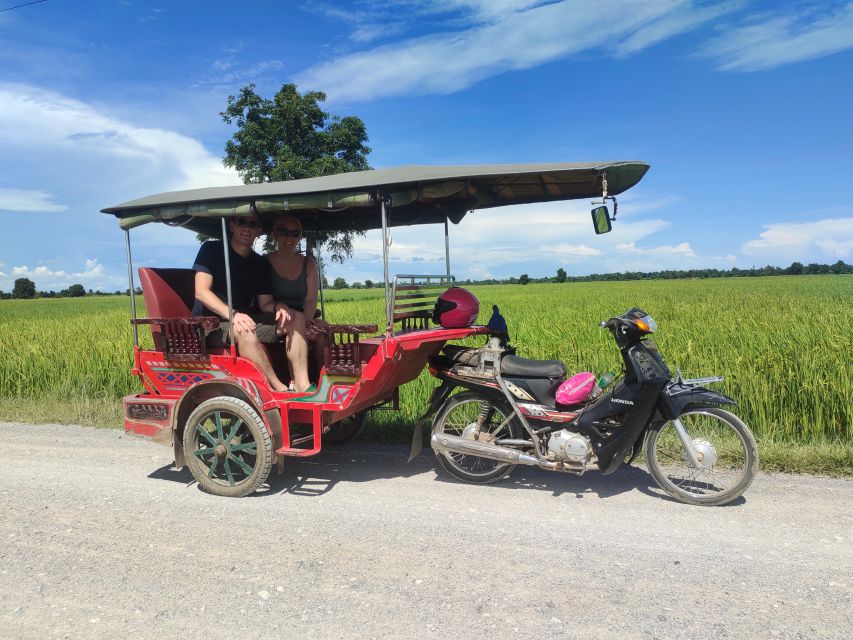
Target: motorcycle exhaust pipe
446 443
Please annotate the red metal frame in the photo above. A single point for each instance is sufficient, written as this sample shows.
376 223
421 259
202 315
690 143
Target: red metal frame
357 373
395 361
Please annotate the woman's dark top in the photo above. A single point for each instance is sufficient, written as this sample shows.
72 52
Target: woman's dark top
291 292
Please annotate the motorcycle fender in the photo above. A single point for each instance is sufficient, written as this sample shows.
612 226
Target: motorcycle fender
437 398
677 399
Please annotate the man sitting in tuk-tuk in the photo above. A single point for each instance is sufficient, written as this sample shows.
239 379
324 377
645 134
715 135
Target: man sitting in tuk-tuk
250 281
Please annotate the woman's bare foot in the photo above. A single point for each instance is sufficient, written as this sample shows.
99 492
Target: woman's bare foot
277 385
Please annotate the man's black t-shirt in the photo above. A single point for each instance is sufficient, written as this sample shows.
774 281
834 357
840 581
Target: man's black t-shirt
250 276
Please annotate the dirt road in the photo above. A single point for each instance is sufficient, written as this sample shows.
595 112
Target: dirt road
99 538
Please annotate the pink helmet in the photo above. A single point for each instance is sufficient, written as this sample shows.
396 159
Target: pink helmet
576 389
456 308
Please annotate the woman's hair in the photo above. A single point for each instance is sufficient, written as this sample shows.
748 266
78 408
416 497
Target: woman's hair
289 218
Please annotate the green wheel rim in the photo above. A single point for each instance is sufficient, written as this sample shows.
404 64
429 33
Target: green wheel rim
226 447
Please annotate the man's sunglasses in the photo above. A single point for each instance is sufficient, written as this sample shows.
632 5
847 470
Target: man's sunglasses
288 233
242 222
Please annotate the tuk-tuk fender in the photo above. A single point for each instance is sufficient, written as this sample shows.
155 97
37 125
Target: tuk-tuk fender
678 398
208 389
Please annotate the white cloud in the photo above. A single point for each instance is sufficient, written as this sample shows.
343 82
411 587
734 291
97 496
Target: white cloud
683 249
91 276
512 38
483 10
570 251
28 200
685 18
774 41
79 137
804 241
228 72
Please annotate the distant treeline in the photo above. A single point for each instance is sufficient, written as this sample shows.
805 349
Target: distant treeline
796 269
26 288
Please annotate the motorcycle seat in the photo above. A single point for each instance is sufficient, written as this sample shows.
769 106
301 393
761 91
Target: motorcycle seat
524 368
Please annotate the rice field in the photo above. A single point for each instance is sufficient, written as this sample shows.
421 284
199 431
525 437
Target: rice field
784 344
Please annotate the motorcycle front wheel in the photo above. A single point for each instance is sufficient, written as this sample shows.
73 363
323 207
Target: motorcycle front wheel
723 445
462 415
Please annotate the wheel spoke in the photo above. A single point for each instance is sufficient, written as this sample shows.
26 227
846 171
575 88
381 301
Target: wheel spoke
203 452
712 435
248 447
233 431
217 418
246 468
228 472
201 430
482 416
213 467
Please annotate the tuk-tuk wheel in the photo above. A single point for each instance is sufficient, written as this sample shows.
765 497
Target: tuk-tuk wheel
227 447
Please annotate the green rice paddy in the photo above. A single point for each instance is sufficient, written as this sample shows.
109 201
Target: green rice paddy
784 345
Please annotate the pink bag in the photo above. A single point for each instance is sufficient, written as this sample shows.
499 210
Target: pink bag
576 389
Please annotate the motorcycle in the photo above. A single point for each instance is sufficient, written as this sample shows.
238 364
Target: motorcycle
696 451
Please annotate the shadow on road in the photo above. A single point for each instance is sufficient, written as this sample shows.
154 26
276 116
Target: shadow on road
316 476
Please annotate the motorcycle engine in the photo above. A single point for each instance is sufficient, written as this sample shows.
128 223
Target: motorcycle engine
569 446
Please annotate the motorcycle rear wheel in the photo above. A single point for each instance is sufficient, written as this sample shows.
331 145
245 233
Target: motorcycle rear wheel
727 451
458 417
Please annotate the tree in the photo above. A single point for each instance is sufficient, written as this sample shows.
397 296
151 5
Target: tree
291 137
340 283
523 278
561 275
24 288
840 267
368 284
77 291
795 269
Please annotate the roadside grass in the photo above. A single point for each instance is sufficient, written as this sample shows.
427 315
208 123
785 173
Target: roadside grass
784 345
90 412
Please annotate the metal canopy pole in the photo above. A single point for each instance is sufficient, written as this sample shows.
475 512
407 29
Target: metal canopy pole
320 276
225 247
388 318
131 288
446 247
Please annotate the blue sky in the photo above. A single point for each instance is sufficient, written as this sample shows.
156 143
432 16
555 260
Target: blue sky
743 109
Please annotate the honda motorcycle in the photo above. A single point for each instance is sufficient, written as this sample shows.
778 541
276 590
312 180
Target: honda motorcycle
696 451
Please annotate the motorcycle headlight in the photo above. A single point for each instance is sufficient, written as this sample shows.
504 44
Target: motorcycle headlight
646 324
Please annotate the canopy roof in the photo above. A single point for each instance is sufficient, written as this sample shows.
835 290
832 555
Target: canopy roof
350 201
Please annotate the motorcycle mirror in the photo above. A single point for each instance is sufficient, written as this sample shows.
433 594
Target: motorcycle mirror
601 220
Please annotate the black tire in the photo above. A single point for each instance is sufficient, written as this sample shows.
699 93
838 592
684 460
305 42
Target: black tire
718 433
451 418
227 447
346 430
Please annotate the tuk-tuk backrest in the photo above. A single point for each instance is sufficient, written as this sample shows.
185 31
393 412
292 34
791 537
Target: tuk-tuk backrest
413 299
168 293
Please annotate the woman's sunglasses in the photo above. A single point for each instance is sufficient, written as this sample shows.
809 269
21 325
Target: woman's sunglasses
287 233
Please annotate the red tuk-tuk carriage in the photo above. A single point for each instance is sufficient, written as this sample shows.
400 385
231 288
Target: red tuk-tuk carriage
216 408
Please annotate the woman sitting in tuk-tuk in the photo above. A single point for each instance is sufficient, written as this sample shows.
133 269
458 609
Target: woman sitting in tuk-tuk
295 283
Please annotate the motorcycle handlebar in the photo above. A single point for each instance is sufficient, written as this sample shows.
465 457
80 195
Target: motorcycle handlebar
609 324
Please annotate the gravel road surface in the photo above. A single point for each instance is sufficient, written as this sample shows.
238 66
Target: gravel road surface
100 538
